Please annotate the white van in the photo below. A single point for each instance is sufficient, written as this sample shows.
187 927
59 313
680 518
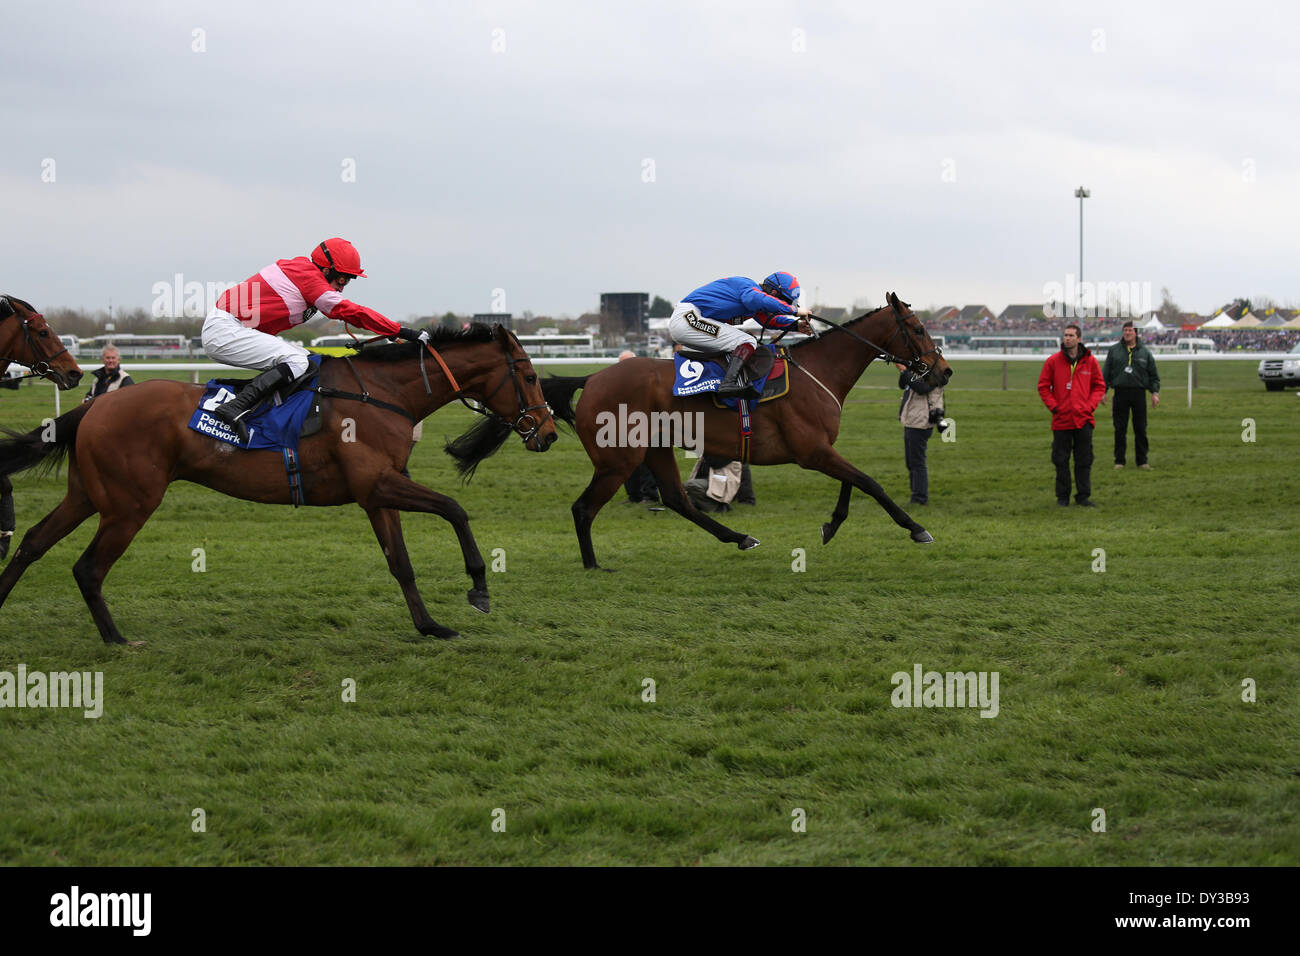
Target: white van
1187 346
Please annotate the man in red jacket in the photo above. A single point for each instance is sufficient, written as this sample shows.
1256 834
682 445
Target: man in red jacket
1071 387
241 329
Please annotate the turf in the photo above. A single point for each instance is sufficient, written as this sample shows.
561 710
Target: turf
1120 690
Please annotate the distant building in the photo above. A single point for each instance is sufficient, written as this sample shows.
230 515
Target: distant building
1020 314
976 313
627 311
495 318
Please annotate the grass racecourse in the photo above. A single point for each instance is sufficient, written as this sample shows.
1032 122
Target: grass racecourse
1160 691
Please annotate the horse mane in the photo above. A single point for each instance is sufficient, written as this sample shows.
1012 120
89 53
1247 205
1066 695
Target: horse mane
398 351
14 299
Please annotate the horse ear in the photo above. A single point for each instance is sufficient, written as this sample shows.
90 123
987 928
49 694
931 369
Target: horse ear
892 299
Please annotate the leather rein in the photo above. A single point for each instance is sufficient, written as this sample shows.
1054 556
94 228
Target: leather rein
526 425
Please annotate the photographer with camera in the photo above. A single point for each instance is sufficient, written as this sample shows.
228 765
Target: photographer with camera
920 412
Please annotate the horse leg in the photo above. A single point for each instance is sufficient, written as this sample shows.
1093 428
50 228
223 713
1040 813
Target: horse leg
387 523
604 485
42 536
829 462
839 514
393 492
664 466
110 541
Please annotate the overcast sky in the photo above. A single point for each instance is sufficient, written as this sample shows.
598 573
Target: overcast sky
557 150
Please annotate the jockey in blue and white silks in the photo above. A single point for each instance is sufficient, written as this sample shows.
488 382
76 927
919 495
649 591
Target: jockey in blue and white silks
705 318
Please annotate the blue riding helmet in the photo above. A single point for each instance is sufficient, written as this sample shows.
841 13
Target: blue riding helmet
782 285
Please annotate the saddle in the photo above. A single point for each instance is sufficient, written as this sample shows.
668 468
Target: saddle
310 425
700 372
757 367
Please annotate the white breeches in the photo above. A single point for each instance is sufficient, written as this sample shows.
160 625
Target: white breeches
226 339
693 330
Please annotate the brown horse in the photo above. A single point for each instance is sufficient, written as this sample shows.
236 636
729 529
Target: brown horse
799 428
27 340
127 446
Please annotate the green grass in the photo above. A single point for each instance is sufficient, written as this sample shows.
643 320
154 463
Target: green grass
1119 690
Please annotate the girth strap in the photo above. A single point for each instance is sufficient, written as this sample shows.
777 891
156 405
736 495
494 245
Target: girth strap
365 398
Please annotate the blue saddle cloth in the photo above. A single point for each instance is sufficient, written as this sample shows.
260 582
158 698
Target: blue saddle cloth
272 426
697 378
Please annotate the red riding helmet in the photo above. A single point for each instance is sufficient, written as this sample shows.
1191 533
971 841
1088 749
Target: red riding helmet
339 255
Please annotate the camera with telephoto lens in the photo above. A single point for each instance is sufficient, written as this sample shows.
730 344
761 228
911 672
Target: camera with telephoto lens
937 416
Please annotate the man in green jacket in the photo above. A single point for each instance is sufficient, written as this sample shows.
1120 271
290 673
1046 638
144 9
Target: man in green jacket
1131 371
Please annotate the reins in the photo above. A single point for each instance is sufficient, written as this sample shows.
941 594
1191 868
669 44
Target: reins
917 366
526 425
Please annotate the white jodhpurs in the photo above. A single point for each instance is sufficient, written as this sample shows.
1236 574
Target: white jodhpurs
694 331
226 339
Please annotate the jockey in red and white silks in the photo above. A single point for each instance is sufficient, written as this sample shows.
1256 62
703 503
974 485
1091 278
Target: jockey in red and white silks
242 327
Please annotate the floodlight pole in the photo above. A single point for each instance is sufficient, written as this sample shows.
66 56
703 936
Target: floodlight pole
1082 194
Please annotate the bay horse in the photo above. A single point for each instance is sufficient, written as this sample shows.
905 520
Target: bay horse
126 447
799 428
29 341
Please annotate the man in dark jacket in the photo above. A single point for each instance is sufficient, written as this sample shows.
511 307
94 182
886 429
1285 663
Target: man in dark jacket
109 378
1071 387
1131 371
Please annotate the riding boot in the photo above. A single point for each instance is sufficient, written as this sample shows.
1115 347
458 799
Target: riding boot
730 384
234 411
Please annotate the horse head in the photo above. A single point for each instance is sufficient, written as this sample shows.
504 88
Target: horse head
912 343
26 339
525 407
521 409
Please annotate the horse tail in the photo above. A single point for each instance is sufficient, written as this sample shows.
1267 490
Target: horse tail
46 446
483 440
558 392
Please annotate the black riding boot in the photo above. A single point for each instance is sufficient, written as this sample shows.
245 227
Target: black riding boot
730 384
234 411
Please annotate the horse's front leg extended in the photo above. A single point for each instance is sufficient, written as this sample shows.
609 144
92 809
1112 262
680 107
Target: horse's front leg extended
392 491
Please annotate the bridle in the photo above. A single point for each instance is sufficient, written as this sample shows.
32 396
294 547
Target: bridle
42 367
918 366
526 425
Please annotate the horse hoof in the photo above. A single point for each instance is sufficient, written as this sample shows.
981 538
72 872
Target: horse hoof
478 600
828 532
438 631
922 537
748 543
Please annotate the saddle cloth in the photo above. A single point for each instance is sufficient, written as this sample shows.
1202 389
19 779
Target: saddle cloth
277 424
697 375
